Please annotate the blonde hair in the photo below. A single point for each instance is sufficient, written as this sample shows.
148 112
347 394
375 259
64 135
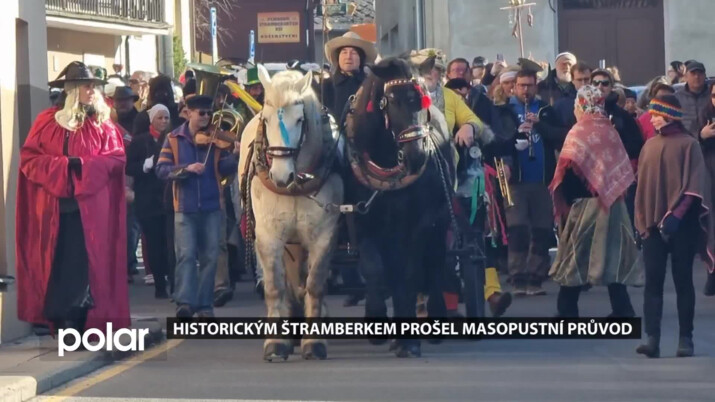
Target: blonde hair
72 115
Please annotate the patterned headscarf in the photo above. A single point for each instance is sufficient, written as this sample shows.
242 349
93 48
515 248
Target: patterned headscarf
591 100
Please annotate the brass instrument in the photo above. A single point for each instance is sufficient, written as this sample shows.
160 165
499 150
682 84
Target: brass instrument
503 182
229 120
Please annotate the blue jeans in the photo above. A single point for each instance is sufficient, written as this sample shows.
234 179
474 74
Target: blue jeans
196 235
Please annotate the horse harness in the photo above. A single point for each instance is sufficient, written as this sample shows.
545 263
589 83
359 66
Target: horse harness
305 183
365 170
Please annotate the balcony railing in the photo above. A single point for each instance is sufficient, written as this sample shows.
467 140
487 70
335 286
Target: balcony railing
151 11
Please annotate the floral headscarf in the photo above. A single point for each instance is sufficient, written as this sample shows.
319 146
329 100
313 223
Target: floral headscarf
591 100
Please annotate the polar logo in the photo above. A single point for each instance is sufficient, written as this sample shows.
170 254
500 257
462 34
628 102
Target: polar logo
108 342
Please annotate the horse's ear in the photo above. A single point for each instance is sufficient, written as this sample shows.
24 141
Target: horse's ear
305 82
263 76
426 66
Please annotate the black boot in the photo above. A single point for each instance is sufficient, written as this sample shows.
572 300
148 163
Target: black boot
710 285
685 347
651 348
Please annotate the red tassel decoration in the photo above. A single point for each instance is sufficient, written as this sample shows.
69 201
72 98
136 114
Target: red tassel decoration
426 102
370 107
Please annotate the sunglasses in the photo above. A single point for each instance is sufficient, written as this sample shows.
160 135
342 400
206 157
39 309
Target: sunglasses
203 113
601 83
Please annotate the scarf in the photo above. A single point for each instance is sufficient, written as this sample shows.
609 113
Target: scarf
154 132
437 97
595 153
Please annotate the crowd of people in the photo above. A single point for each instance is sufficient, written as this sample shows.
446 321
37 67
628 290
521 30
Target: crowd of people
609 177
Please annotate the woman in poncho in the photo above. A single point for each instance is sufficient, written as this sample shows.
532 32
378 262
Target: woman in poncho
673 217
597 246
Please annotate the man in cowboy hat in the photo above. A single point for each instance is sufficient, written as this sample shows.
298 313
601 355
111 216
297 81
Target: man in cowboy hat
348 54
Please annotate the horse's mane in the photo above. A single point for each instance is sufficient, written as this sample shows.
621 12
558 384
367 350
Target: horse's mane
286 91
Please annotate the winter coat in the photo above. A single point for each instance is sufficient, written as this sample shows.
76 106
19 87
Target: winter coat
550 91
148 188
194 193
338 89
550 129
693 106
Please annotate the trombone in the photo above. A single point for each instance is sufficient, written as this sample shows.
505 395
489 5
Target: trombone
503 182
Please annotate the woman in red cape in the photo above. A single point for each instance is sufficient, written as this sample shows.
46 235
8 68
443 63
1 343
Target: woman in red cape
70 217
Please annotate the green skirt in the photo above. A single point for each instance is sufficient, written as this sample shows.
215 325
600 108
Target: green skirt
597 247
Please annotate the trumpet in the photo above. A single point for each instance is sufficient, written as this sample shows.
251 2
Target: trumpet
503 183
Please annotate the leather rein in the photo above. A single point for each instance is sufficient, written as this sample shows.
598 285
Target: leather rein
365 170
305 183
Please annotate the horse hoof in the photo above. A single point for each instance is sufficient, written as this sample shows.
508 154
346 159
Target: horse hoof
276 351
315 351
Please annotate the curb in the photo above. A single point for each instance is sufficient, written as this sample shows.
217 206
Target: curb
49 381
20 388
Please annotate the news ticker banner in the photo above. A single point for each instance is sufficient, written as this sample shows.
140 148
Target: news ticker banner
384 328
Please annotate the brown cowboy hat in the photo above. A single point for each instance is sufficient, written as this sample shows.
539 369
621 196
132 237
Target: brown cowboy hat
76 71
350 39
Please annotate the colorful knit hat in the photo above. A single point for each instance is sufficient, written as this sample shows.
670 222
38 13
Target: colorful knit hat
666 106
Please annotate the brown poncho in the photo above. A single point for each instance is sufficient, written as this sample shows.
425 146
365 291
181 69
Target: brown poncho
670 167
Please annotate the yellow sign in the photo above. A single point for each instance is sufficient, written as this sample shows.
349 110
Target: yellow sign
283 27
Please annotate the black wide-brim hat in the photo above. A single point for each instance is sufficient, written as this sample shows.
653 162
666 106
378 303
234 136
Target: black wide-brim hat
124 93
75 72
199 102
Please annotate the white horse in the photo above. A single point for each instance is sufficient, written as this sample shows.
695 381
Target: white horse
286 155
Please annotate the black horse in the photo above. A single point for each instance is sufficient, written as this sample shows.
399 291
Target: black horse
402 158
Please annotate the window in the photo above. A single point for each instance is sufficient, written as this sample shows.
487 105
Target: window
600 4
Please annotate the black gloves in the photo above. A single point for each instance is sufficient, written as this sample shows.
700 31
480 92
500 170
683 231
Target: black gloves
669 226
75 164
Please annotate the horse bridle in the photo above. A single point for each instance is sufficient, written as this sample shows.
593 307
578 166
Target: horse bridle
413 132
285 152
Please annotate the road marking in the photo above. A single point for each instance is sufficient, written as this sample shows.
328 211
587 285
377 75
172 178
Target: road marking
123 366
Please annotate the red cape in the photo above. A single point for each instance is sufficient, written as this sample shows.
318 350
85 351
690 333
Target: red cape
43 179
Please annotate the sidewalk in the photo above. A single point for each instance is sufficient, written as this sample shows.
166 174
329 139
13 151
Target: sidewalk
31 366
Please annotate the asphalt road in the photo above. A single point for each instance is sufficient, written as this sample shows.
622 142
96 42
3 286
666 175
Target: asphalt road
525 370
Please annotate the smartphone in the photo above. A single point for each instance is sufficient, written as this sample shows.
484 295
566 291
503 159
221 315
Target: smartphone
712 120
500 57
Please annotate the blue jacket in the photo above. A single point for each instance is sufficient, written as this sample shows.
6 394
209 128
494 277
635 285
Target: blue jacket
194 193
